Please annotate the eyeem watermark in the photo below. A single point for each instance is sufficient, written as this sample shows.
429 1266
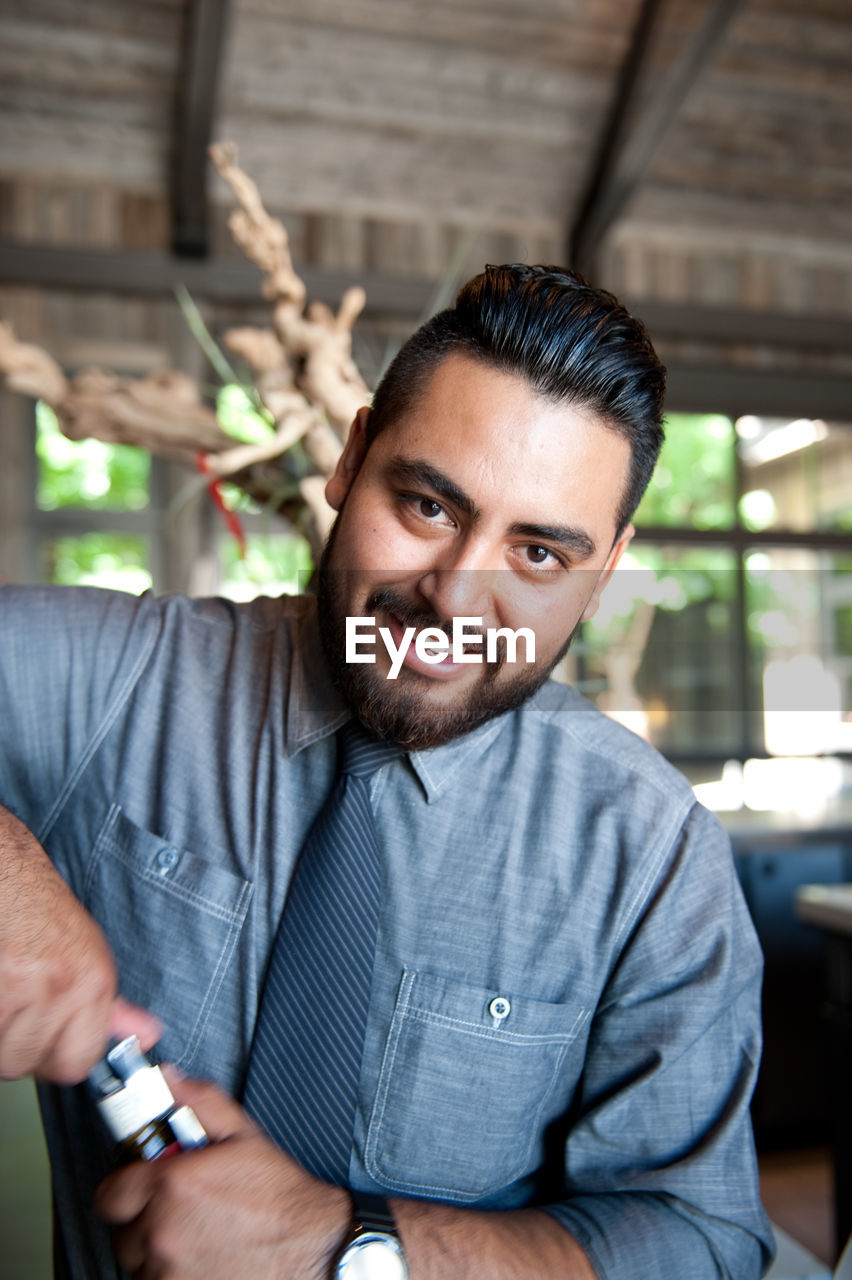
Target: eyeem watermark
432 645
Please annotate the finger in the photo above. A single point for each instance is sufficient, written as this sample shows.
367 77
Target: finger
129 1247
133 1244
220 1116
123 1195
128 1019
72 1054
26 1033
59 1046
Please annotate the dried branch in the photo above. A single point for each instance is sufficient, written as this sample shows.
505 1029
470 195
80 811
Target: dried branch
161 412
315 345
301 364
29 369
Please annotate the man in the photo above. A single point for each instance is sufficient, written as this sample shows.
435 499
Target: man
563 1029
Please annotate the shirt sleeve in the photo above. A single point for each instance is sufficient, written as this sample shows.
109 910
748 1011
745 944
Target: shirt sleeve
69 658
660 1165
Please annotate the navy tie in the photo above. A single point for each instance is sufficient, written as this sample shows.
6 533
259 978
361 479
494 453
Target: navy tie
306 1057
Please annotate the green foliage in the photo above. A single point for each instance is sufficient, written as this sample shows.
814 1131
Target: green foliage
87 473
106 559
694 482
275 564
843 629
238 416
671 578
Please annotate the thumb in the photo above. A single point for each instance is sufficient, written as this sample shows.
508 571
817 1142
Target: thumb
220 1116
128 1019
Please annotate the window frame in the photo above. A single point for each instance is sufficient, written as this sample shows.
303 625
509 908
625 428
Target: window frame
741 542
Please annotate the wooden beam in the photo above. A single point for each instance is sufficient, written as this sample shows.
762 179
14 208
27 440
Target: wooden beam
639 119
696 323
198 82
224 280
238 283
721 388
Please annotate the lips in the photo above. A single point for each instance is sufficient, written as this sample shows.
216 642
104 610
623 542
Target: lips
442 670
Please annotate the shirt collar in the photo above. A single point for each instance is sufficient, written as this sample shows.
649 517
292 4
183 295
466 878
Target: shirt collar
437 766
315 709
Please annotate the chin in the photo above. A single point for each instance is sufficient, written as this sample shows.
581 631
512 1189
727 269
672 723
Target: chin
420 713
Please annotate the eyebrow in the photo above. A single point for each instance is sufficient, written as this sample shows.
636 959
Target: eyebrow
416 472
572 540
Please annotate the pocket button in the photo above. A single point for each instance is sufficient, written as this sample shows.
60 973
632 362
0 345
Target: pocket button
166 859
499 1008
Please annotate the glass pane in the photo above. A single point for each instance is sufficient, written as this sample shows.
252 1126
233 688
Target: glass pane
274 565
799 619
87 473
660 654
116 560
795 474
694 484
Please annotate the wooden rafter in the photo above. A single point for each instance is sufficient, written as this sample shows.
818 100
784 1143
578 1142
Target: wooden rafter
198 79
640 117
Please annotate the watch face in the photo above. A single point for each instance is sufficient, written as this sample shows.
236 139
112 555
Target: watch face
373 1256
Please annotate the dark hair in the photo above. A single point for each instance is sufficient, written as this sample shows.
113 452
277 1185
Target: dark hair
569 341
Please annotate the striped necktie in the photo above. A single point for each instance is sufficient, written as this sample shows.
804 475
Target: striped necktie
305 1062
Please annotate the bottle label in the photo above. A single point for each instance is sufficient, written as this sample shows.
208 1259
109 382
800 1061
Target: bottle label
145 1097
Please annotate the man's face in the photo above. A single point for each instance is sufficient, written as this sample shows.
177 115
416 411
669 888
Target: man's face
486 501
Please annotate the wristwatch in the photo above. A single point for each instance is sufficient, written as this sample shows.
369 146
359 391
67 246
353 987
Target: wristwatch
373 1251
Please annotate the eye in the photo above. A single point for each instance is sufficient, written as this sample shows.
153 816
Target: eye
541 557
425 509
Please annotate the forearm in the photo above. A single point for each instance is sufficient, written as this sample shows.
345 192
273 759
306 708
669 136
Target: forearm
467 1244
57 975
19 849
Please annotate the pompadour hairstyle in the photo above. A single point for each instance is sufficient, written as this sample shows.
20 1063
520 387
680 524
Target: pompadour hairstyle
571 343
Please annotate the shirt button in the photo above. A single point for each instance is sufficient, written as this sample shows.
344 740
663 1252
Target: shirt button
166 859
499 1008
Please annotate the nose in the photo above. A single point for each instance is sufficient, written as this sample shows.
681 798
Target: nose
462 585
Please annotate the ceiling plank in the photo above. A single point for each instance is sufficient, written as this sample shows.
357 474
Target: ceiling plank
198 81
640 118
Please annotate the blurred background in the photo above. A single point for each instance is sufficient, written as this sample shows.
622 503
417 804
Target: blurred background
692 156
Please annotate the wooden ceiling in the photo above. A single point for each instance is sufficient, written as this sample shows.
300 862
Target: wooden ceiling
691 153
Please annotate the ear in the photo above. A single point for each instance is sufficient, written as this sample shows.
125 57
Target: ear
349 462
618 549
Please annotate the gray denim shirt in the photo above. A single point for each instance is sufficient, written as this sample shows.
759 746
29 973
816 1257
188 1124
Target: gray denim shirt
171 755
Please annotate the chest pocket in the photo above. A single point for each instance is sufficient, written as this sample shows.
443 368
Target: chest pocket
469 1079
172 920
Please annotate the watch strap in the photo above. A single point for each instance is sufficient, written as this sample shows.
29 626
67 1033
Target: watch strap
373 1223
373 1213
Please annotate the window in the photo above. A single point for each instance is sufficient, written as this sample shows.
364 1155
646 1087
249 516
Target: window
102 515
726 633
277 560
94 512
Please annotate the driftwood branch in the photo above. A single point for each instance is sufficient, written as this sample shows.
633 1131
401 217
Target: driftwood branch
301 365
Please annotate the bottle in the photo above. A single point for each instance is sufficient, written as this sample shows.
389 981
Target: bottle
138 1108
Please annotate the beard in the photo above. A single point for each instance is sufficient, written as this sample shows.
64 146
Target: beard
400 710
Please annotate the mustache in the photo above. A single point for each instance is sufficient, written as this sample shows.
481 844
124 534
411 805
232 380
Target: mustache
411 615
408 614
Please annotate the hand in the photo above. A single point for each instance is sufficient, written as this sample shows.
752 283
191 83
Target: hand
58 1000
237 1207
